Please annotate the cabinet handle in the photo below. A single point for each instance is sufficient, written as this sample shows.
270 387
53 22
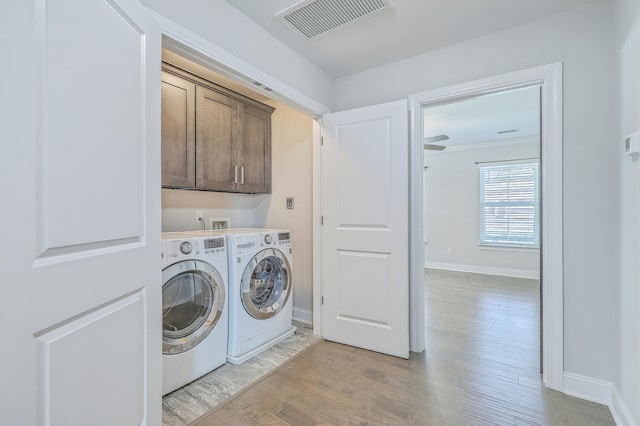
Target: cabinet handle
235 174
242 175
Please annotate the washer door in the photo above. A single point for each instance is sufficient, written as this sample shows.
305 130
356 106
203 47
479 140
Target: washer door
193 298
266 284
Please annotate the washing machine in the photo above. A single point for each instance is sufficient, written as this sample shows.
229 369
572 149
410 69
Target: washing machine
194 307
260 289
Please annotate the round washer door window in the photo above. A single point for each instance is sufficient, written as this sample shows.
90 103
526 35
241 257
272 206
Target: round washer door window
193 298
266 284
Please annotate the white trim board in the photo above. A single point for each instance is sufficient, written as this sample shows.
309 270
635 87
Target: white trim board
583 387
303 315
487 270
317 231
549 79
620 410
600 392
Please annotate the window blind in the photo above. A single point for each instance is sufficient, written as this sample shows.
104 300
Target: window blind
509 204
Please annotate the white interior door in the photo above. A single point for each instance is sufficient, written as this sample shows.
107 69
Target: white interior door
365 238
81 284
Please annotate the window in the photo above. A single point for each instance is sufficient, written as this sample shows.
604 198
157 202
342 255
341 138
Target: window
509 204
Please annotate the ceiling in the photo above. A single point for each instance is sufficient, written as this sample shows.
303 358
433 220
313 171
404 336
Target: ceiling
483 119
407 28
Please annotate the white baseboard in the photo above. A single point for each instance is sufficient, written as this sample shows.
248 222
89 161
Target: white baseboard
601 392
303 315
620 411
588 388
488 270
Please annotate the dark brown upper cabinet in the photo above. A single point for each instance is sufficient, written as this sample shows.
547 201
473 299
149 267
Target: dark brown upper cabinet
213 139
178 132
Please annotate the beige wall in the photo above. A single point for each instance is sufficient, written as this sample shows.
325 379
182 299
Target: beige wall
292 177
179 209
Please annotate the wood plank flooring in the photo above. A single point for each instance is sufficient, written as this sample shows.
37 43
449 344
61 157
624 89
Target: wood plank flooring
480 368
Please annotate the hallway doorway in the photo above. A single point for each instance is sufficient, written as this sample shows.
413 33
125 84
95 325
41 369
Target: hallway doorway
481 197
549 80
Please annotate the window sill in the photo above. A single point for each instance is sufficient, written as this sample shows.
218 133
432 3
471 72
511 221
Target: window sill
498 247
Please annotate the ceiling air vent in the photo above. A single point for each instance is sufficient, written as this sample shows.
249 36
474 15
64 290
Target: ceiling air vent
315 17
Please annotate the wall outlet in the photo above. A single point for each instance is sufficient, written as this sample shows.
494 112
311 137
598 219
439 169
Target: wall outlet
290 203
199 216
449 251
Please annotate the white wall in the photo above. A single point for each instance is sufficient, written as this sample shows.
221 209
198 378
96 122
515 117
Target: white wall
627 378
452 209
582 40
224 26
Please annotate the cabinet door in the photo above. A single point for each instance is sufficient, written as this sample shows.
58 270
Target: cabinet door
178 132
254 151
217 116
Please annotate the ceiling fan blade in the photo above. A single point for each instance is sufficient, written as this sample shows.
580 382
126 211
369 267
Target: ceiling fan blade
434 147
429 140
438 138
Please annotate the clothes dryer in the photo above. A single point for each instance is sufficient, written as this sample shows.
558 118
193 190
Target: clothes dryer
194 307
260 289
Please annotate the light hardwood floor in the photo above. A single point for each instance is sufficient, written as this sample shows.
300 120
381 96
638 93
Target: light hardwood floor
480 368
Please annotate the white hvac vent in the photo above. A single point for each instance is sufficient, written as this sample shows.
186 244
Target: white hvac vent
315 17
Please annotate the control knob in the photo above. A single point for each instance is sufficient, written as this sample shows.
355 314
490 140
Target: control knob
186 247
268 239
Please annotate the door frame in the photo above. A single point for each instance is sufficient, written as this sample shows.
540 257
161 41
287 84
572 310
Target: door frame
549 79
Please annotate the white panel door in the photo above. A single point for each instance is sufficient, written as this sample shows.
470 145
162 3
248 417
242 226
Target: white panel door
81 274
365 234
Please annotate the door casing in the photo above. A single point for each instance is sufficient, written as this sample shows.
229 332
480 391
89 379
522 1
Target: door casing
549 78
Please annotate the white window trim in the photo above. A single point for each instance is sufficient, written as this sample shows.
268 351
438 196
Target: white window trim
497 247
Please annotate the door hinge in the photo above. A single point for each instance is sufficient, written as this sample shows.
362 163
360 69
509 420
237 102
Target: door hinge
322 300
321 220
321 140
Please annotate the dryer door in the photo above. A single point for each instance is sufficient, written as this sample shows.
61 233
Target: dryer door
193 299
266 284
